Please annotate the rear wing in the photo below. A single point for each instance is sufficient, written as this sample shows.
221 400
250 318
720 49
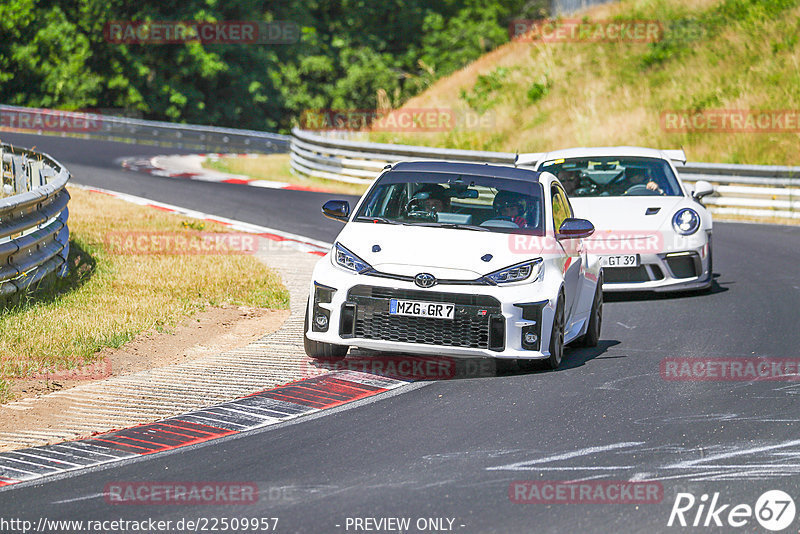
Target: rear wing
530 159
675 155
533 158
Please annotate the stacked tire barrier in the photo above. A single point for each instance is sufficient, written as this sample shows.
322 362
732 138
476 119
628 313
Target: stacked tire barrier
753 191
34 236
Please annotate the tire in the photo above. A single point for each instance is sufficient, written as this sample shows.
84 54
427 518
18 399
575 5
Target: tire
557 337
319 350
592 335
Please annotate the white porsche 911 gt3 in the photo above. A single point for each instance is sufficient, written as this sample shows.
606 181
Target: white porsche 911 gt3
653 233
456 259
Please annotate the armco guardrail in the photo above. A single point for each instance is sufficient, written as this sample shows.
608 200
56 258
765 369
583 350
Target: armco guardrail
111 128
566 7
760 191
34 237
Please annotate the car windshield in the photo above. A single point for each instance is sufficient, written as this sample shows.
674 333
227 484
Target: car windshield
614 176
465 202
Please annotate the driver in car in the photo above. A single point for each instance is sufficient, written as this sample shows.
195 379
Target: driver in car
510 206
637 176
432 198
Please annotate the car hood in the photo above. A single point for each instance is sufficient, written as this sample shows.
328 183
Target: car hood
629 214
443 252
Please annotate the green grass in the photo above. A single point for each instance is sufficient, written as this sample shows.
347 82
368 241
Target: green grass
109 297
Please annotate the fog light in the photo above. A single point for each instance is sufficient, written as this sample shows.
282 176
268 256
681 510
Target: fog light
321 321
531 338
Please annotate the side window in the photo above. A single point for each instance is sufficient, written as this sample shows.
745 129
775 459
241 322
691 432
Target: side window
561 209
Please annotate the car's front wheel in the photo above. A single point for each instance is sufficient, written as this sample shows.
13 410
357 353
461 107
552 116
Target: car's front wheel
320 350
592 335
557 337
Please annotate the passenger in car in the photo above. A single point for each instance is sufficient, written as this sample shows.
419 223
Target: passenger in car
570 180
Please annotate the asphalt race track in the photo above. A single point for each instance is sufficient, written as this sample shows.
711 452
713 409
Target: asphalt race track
94 163
451 448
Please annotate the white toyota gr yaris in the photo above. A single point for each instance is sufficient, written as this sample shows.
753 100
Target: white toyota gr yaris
457 259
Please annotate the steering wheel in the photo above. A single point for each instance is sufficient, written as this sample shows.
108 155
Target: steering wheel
500 221
640 189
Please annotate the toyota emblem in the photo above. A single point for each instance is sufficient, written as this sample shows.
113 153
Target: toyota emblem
425 280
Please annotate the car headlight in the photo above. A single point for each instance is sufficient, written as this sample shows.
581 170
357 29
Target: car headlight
517 273
348 260
686 221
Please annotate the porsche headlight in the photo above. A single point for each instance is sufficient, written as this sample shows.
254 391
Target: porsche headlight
348 260
686 221
517 273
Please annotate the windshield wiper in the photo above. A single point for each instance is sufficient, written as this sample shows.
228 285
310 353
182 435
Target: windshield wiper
375 219
455 225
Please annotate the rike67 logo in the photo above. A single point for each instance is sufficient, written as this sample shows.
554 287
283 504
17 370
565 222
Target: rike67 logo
774 510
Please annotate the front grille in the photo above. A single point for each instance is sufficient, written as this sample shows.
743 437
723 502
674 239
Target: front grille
626 274
469 328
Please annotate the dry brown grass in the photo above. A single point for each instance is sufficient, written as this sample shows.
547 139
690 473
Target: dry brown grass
110 297
604 94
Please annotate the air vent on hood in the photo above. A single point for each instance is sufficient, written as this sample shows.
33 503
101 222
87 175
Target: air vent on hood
652 211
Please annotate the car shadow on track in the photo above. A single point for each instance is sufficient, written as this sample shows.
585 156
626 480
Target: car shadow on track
633 296
574 357
415 368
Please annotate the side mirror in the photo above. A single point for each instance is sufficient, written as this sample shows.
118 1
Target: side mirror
338 210
575 229
702 188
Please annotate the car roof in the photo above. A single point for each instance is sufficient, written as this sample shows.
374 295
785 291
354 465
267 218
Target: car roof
472 169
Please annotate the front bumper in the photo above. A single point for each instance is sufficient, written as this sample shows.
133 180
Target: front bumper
683 267
489 321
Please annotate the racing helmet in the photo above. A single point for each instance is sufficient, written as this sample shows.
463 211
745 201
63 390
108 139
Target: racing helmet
504 199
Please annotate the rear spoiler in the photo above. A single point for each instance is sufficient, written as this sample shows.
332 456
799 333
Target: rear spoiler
530 159
675 155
